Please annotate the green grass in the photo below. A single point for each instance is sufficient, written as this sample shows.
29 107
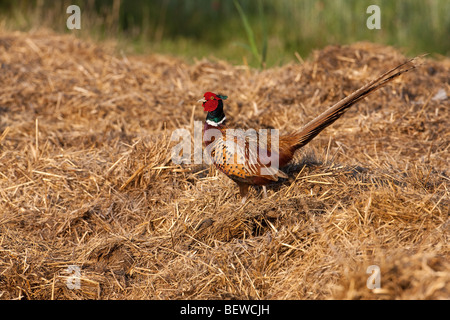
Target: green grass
259 55
261 32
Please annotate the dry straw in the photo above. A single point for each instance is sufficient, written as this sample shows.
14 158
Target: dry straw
86 178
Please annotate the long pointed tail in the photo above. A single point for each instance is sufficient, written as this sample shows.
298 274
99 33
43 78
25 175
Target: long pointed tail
314 127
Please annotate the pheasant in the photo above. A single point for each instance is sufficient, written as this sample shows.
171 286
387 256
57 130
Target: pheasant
246 165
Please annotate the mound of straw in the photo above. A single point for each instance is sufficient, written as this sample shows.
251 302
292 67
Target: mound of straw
92 206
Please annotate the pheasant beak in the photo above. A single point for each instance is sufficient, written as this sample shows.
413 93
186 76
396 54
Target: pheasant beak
202 100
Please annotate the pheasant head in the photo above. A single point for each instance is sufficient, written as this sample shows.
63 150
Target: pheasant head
213 104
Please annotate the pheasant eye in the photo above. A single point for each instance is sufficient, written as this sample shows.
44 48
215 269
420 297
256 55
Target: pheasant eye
212 98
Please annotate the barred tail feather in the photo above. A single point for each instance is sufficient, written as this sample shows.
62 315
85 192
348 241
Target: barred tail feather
314 127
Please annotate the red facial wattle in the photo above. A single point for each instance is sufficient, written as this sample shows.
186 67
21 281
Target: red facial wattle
211 101
210 105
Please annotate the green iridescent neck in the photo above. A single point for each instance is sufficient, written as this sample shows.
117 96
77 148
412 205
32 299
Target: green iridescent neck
217 116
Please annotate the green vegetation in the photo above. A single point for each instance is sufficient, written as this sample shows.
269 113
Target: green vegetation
262 32
260 57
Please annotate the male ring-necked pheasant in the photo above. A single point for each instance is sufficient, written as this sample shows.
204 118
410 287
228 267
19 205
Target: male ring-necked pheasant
243 164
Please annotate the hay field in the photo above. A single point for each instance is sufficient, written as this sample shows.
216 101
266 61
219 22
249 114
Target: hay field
87 181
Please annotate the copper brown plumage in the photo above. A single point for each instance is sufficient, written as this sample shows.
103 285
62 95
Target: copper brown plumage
235 155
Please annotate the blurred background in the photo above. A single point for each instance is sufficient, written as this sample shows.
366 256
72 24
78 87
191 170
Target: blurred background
261 33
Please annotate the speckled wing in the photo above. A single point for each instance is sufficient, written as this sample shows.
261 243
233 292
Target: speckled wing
237 156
